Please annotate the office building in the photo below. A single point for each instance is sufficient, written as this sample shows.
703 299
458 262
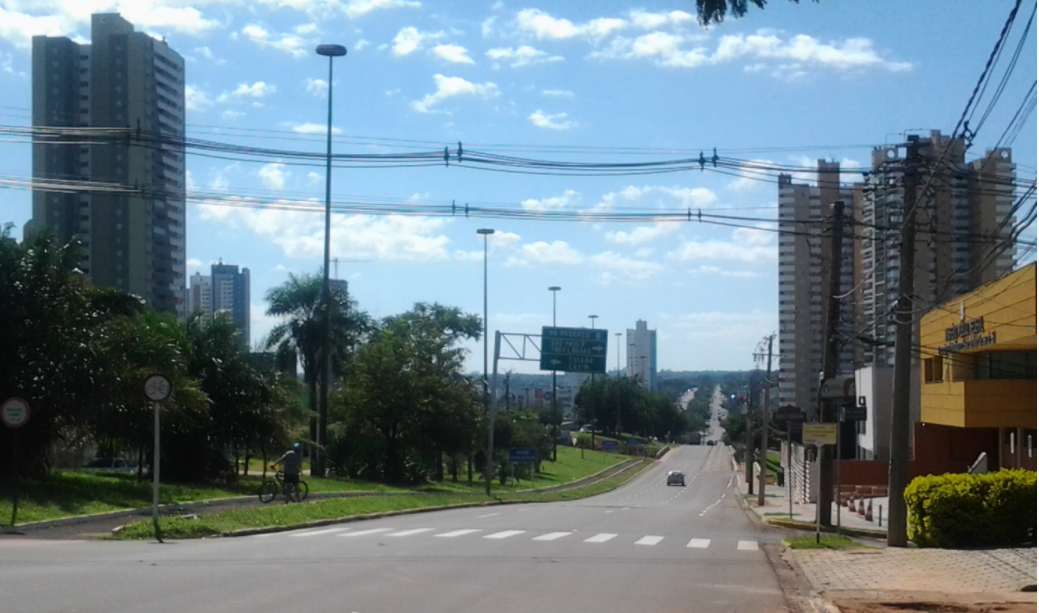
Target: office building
225 289
125 90
642 355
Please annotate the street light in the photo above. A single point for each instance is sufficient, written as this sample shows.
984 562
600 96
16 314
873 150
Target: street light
331 52
555 415
486 396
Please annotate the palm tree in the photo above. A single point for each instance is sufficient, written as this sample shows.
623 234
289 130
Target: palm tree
299 337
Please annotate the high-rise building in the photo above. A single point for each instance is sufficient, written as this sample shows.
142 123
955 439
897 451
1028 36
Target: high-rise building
642 355
804 270
132 237
225 289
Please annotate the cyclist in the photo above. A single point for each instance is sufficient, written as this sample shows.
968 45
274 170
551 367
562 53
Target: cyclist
292 463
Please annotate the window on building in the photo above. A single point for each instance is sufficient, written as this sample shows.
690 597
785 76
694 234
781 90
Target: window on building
1005 365
934 369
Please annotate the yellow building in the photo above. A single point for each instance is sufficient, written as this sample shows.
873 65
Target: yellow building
978 379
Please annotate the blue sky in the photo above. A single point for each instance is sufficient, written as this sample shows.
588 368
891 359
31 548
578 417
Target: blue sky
789 84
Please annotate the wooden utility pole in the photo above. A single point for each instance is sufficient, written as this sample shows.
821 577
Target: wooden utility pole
748 453
765 408
898 463
831 361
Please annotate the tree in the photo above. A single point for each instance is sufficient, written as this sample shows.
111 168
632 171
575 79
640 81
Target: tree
300 337
714 11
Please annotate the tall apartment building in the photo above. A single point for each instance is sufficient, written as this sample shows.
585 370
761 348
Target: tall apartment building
804 270
961 243
224 289
642 355
122 79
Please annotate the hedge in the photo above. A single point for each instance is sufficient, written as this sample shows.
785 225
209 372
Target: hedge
966 510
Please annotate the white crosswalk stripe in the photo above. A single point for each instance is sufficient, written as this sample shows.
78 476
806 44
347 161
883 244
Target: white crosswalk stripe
551 536
410 532
452 534
365 532
747 545
602 537
649 540
504 534
699 543
317 532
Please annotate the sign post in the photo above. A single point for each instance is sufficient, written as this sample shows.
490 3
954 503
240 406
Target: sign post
157 388
15 413
819 435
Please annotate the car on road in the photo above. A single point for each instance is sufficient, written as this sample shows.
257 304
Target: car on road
676 477
710 443
112 465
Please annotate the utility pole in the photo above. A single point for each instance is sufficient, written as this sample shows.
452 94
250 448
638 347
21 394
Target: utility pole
898 464
765 407
748 446
831 359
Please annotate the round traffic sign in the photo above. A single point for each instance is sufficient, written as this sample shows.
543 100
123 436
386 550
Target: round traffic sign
157 388
14 412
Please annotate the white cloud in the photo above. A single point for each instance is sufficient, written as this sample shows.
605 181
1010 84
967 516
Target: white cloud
752 237
540 252
523 55
453 53
642 235
297 45
258 89
849 54
313 178
550 122
665 197
741 329
651 21
557 93
273 176
361 44
448 87
196 99
312 128
714 270
306 29
554 203
612 265
318 87
721 250
409 40
66 17
193 264
544 26
499 242
360 8
232 115
205 52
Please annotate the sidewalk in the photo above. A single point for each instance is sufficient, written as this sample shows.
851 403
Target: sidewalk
876 578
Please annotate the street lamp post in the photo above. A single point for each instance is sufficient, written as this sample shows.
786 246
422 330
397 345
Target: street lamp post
331 52
618 335
489 469
555 415
591 388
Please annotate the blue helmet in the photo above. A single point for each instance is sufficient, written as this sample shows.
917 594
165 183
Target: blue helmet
297 447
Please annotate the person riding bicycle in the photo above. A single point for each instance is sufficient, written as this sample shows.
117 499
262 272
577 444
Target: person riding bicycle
292 463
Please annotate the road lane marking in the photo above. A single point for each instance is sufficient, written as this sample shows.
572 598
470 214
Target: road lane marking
551 536
455 533
600 538
364 532
699 543
410 532
747 546
702 513
488 515
504 534
317 532
649 540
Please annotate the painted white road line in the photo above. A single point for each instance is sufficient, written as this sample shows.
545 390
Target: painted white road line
488 515
699 543
747 546
448 535
504 535
410 532
649 540
364 532
551 536
602 537
704 512
317 532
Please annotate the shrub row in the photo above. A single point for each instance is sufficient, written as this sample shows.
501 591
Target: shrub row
966 510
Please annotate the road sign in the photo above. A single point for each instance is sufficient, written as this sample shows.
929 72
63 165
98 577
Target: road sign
853 413
523 455
634 442
573 349
14 412
819 434
157 388
789 413
837 388
609 445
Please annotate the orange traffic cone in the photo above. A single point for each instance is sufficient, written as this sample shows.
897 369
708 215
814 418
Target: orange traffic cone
851 502
862 508
869 511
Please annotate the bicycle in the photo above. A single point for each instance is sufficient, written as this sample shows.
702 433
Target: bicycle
294 492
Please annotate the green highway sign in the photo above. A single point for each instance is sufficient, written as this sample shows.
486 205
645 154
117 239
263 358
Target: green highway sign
573 349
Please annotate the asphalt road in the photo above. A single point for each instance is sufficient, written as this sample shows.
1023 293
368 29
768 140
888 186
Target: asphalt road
644 547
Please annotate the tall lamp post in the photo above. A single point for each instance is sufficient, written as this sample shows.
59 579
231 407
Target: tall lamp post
591 389
618 335
489 469
318 467
555 415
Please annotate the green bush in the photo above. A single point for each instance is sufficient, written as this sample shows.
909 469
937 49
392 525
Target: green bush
962 510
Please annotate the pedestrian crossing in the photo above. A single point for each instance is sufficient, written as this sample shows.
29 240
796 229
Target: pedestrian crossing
600 538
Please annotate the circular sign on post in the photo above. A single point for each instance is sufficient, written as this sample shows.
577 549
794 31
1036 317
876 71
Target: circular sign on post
14 412
157 388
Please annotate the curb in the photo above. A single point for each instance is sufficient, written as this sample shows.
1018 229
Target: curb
859 532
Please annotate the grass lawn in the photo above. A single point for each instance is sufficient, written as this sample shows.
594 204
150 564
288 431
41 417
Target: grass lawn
341 508
71 492
827 541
